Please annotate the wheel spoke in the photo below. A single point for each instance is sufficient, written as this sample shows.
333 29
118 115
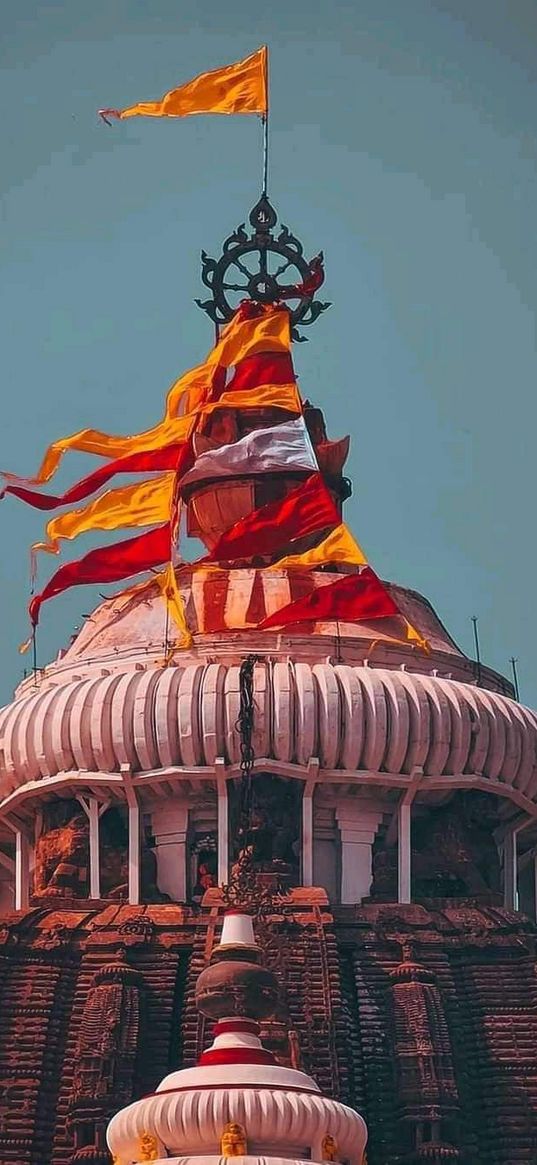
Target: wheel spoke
242 267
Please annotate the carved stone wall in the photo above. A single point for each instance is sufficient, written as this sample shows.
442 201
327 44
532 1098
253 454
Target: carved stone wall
98 1005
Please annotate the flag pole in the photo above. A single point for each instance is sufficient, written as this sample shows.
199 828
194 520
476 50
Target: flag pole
477 650
513 661
265 121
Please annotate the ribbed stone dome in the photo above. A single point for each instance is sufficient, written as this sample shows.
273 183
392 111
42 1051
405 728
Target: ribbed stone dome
350 718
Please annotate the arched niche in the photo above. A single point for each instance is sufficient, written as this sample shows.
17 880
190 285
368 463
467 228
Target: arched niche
265 819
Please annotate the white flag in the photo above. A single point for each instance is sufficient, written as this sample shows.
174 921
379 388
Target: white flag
282 447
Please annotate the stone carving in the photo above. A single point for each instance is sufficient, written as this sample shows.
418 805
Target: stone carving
453 853
329 1148
233 1141
62 853
148 1147
271 835
107 1046
427 1090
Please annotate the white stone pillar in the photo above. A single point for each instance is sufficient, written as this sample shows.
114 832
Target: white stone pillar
22 871
404 843
94 849
510 870
170 825
307 834
134 855
223 831
358 824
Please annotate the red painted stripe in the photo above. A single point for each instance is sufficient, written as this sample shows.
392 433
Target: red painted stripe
263 368
236 1056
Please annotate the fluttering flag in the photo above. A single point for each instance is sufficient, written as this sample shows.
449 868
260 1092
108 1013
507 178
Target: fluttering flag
145 503
267 396
274 367
108 564
238 88
268 329
263 532
354 598
245 335
339 546
283 448
167 583
176 457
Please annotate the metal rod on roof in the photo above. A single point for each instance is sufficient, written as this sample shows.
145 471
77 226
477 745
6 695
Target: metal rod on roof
513 661
477 650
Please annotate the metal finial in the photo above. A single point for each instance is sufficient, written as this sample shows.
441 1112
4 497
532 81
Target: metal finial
264 267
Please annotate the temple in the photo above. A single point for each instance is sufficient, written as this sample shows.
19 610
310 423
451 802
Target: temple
270 892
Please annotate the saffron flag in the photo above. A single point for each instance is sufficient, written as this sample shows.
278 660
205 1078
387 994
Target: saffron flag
108 564
282 448
268 330
143 504
175 457
265 531
237 88
339 546
266 396
354 598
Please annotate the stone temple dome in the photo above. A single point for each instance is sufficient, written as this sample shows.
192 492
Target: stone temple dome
371 795
347 720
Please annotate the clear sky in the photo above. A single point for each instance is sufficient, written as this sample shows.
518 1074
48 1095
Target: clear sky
404 144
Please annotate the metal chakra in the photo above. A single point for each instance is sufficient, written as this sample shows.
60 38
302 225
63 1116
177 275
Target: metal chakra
264 267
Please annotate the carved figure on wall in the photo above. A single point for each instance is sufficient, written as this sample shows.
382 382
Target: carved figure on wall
453 852
329 1148
233 1141
62 852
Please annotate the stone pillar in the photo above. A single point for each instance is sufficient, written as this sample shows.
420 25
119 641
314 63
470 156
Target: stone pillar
170 824
358 824
404 843
134 855
307 834
22 871
94 853
223 831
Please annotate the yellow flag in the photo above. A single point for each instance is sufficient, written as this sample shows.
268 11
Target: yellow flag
339 546
265 396
143 504
270 332
167 582
238 88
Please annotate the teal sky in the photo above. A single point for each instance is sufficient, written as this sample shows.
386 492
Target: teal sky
403 142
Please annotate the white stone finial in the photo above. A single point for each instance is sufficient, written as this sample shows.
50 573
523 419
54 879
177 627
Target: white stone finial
237 930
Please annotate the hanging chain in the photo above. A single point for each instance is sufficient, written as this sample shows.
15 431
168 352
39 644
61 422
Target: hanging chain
245 728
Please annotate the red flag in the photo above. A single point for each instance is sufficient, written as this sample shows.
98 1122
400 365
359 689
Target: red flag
263 368
307 508
352 599
170 457
108 564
